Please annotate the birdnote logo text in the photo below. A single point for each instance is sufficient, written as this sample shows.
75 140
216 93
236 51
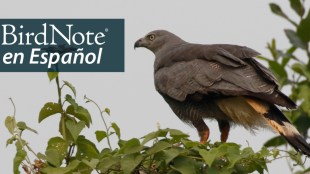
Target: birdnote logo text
68 45
48 58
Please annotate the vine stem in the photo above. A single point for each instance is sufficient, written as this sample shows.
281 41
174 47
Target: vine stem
63 126
68 157
60 103
20 140
103 121
308 53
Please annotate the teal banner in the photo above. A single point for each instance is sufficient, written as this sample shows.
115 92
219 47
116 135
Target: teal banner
64 45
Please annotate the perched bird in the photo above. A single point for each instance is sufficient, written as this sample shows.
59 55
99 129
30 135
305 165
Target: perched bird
222 82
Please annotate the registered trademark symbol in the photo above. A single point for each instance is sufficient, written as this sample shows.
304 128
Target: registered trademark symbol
106 30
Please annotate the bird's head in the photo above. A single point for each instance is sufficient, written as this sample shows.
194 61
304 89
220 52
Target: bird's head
155 40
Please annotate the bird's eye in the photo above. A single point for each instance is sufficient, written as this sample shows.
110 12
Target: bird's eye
151 37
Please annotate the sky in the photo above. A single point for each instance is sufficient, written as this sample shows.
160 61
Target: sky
131 96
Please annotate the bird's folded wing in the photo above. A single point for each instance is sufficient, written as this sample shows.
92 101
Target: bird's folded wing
219 69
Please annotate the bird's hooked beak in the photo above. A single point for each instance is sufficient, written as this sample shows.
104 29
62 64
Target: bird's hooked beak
138 43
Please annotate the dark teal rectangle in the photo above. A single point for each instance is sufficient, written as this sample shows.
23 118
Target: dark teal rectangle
112 56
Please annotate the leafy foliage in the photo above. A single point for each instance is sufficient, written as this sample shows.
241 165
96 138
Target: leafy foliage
162 151
299 82
165 150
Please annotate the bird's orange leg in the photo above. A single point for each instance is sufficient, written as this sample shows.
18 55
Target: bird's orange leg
204 136
203 130
224 128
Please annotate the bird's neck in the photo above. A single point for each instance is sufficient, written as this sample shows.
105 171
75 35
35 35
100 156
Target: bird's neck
161 54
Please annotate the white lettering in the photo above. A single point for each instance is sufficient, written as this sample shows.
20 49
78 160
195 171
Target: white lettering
34 55
6 57
69 55
5 34
44 36
68 40
53 61
97 36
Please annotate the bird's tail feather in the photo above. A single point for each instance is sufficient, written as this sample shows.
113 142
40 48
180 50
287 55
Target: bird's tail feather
281 124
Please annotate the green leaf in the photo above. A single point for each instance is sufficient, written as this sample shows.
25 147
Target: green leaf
173 172
275 152
71 101
22 126
304 28
121 143
129 143
274 142
285 61
86 148
302 122
213 170
75 129
19 157
233 155
80 113
277 10
291 50
134 149
161 145
11 140
104 153
276 67
273 44
171 154
48 110
190 144
130 162
255 166
162 132
152 135
297 158
301 69
209 156
83 167
149 137
100 135
279 72
225 170
106 163
246 152
272 50
263 58
92 163
222 150
9 124
107 110
116 128
264 152
71 87
51 155
19 146
62 170
69 137
294 39
262 164
184 165
52 74
176 134
298 7
60 145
